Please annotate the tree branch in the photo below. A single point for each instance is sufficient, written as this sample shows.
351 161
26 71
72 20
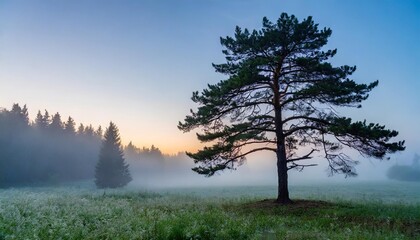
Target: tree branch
307 156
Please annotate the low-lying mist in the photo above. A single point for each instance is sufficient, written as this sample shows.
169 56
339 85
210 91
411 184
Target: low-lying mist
406 172
48 151
151 168
45 151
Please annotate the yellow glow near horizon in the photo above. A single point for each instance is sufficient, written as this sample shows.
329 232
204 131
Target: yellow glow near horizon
141 131
170 144
169 148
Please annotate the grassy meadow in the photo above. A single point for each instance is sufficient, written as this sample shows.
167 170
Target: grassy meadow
330 211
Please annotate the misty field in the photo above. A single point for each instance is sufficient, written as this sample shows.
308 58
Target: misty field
339 211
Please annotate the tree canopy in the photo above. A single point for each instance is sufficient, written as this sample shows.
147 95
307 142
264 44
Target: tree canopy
283 95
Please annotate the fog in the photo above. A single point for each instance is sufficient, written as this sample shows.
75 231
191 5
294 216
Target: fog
406 172
45 151
150 168
49 151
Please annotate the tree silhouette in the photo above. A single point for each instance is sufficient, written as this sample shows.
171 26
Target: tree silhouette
81 129
20 114
89 131
130 149
111 170
99 132
70 126
41 121
46 118
56 124
406 172
41 152
282 95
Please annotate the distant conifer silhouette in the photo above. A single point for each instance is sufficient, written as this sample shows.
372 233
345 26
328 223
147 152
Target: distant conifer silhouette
111 169
81 129
56 123
42 121
69 126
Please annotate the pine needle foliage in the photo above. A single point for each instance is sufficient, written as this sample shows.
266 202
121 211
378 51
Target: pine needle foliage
283 95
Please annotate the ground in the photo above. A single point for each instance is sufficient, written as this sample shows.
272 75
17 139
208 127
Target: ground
334 211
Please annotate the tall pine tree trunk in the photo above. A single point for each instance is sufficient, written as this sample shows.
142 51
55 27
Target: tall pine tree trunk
283 188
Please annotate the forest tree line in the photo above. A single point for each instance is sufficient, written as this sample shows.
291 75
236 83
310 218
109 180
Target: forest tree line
50 150
46 150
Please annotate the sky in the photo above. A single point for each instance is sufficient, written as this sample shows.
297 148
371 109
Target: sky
136 63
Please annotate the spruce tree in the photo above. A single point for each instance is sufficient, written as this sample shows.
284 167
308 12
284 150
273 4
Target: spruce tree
20 114
70 126
282 95
81 129
99 132
56 124
111 169
42 122
89 131
46 118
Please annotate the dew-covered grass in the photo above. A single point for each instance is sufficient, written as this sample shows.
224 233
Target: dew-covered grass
211 213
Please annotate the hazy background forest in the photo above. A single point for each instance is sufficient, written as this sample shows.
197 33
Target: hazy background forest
45 150
53 150
49 150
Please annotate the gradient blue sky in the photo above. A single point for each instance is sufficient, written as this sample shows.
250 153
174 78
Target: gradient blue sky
137 62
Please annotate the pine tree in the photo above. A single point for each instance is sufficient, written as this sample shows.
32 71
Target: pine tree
20 114
81 129
281 95
131 151
25 115
99 132
89 131
111 170
46 118
56 124
42 121
70 126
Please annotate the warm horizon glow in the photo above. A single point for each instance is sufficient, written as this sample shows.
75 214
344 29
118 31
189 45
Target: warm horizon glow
136 63
168 145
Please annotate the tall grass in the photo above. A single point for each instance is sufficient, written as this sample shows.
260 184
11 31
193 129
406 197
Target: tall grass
79 213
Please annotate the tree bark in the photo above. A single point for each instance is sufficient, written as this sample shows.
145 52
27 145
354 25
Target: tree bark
283 188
